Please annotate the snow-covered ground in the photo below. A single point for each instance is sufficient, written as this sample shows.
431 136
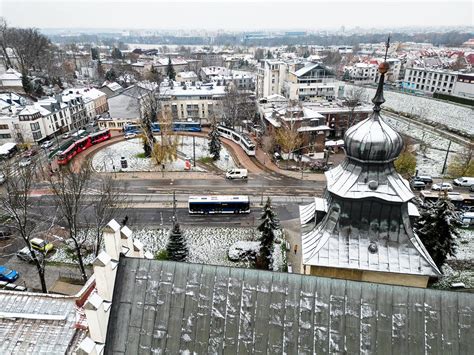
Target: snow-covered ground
465 249
207 245
109 157
452 115
431 163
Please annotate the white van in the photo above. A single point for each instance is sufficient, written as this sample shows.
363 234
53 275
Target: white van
464 181
236 174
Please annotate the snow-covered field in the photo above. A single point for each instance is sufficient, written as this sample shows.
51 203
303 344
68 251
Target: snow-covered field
465 249
452 115
106 159
431 163
207 245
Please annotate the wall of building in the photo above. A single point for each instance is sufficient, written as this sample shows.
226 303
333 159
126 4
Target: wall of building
368 276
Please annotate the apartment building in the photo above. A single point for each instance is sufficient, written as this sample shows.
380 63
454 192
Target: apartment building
464 86
313 82
430 80
193 102
271 75
362 73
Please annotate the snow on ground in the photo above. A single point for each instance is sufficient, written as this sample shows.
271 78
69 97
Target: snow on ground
465 249
109 157
452 115
207 245
431 163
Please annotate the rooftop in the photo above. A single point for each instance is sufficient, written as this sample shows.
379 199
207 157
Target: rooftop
170 307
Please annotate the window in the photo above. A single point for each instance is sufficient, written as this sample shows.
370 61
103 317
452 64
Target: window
6 135
3 126
35 126
37 135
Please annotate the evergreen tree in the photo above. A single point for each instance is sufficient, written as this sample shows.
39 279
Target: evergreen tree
214 143
346 76
95 54
267 227
176 248
116 54
436 228
111 75
170 72
269 55
26 83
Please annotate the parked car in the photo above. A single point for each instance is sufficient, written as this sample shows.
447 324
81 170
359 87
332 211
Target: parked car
2 178
471 188
464 181
24 162
46 144
445 186
25 255
467 219
41 245
417 185
66 136
5 233
7 274
29 153
425 178
130 135
237 174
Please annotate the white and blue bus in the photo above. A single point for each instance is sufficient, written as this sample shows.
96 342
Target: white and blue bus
218 204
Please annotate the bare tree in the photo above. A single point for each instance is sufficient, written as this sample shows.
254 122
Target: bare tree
287 137
149 110
70 193
237 105
355 97
166 149
105 206
3 42
16 206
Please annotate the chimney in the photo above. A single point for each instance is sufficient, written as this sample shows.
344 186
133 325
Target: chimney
97 314
105 271
138 250
126 241
89 347
112 242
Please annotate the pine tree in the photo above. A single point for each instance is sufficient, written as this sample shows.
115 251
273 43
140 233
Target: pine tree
214 143
26 83
176 248
111 75
436 228
267 228
170 72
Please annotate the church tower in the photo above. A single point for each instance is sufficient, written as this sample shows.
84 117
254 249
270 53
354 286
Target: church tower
361 230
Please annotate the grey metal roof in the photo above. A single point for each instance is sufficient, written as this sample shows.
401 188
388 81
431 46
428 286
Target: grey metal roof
352 180
343 237
36 324
180 308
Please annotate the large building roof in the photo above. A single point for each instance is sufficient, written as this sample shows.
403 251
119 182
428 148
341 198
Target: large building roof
36 324
168 307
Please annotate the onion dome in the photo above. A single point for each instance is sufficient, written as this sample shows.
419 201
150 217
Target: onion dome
372 140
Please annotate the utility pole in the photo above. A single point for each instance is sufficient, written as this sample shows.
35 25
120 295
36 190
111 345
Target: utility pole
446 158
174 218
194 152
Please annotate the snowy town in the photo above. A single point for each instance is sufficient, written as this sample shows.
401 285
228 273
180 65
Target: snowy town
283 187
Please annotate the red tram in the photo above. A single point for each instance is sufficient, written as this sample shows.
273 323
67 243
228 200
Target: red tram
81 145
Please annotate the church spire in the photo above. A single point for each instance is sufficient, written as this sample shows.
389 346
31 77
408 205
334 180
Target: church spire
378 99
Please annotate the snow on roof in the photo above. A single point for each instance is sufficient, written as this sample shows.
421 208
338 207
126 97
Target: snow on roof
187 74
114 86
205 309
313 128
36 323
10 74
28 110
306 69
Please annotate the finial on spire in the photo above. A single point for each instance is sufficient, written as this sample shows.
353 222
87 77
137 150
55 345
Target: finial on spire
378 99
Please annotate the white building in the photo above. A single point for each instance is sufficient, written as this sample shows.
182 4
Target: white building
11 79
430 80
464 86
207 73
271 75
362 72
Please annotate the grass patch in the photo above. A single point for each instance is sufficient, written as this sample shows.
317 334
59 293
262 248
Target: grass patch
140 155
206 160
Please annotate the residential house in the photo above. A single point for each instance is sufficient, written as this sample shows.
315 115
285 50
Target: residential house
11 80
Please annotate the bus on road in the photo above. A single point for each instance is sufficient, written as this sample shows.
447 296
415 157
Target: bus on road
218 204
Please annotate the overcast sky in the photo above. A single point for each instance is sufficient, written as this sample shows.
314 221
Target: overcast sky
235 15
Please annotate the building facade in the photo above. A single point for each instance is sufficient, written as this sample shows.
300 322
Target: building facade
430 80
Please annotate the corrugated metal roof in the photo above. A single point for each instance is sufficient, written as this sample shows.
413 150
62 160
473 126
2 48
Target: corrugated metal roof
36 323
179 308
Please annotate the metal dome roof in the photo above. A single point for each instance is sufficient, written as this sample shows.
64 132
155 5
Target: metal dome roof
372 140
